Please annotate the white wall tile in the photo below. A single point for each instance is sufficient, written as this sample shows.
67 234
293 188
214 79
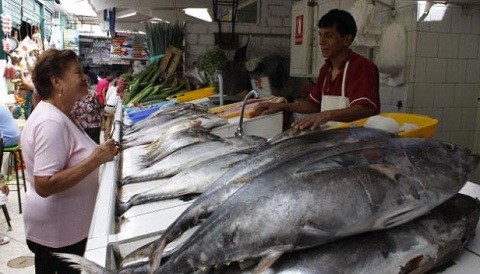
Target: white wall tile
197 28
388 108
423 95
442 136
452 118
448 45
465 95
456 70
475 23
468 47
460 21
191 39
206 40
469 116
399 94
385 94
436 113
436 70
410 95
473 71
427 44
423 26
411 43
462 138
444 94
420 68
346 4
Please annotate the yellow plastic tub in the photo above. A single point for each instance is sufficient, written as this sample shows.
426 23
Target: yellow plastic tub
192 95
426 125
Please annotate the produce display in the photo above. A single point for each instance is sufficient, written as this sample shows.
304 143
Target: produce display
151 86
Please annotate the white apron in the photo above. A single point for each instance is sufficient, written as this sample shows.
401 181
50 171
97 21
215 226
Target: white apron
331 102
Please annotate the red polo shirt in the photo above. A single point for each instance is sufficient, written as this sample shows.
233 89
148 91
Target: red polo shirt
361 83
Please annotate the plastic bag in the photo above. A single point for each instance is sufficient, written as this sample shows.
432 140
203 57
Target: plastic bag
368 23
392 54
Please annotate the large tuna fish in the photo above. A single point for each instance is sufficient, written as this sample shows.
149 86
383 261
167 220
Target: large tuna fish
305 203
417 247
324 144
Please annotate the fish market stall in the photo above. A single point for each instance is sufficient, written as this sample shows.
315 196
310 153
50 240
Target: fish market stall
123 222
142 223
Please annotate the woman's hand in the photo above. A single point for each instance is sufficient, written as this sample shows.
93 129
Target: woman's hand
4 188
106 151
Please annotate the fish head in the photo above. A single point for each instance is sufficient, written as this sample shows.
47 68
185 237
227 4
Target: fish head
445 164
460 157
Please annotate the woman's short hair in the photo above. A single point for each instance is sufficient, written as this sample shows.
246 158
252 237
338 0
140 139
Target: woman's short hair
52 62
342 20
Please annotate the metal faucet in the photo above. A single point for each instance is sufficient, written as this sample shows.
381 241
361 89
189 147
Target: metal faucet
253 93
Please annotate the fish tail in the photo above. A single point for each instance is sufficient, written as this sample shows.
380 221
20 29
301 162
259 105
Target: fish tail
156 255
472 163
122 207
83 264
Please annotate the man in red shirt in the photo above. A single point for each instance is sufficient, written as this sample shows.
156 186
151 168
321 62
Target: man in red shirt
347 85
102 87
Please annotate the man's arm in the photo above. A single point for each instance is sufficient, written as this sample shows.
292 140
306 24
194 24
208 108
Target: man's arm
299 107
340 115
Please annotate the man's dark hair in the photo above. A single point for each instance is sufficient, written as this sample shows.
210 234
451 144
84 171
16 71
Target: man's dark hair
343 21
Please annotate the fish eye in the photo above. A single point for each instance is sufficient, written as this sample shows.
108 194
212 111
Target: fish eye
449 146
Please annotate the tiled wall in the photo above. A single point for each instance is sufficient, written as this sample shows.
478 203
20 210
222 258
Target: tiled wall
271 34
444 72
443 60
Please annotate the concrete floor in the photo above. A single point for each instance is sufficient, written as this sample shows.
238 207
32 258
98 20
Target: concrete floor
17 247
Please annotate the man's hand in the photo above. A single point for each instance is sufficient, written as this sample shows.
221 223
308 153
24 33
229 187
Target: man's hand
267 108
312 121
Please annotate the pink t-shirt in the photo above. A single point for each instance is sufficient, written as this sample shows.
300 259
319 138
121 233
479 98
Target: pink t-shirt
51 142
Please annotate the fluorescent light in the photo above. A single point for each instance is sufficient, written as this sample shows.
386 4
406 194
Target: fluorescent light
127 15
78 7
199 13
431 11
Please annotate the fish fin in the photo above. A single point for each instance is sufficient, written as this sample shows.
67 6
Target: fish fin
141 252
83 264
122 207
156 255
403 216
312 232
267 261
189 197
242 180
412 265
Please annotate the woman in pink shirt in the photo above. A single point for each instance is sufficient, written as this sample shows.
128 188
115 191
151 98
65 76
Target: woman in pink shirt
62 164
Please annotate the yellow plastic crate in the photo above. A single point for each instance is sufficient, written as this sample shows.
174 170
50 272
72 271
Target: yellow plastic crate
192 95
426 125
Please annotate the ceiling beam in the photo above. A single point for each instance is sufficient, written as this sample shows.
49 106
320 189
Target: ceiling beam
166 15
99 5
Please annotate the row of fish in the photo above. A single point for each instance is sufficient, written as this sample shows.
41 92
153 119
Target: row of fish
270 200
